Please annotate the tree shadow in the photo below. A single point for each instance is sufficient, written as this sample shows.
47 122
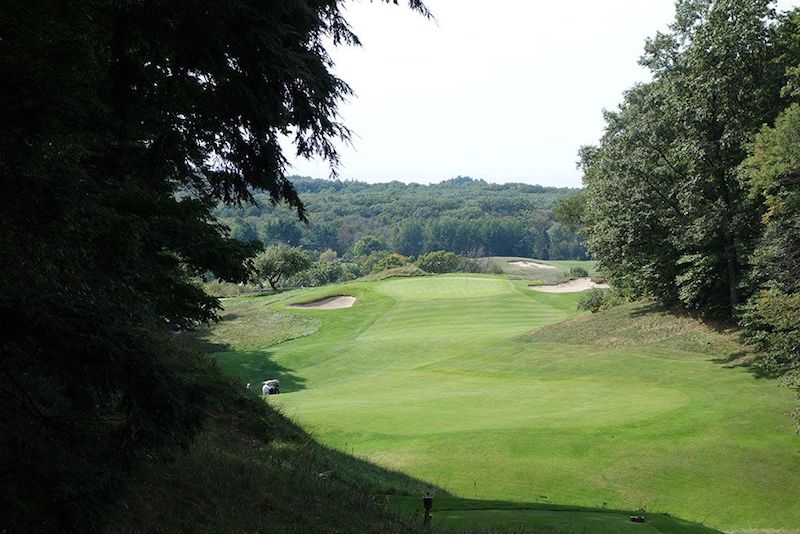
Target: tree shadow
256 366
740 359
249 366
746 360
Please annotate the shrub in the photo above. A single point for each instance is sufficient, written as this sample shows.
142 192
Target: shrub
322 273
405 271
592 301
439 262
576 272
391 261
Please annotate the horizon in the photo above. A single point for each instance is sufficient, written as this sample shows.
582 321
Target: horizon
294 176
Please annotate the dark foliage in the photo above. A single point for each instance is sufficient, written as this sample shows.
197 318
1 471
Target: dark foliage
124 124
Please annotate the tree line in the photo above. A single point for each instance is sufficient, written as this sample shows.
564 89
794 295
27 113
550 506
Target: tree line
693 193
463 215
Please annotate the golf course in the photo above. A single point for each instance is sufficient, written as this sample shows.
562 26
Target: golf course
490 391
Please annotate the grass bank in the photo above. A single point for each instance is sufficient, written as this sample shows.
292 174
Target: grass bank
490 391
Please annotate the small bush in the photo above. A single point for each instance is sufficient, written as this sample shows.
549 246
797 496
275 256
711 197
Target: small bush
576 272
439 262
481 265
592 301
405 271
391 261
218 289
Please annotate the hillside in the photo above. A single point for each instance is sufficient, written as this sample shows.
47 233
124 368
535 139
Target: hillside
494 392
462 215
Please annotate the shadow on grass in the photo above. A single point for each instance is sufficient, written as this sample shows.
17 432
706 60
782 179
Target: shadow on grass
746 360
249 366
456 514
740 359
255 366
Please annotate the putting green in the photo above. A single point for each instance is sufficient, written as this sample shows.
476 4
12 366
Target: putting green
441 378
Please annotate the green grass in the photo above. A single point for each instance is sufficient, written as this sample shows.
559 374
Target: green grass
467 514
489 390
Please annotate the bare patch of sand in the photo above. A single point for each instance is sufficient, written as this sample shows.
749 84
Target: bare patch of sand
532 265
572 286
329 303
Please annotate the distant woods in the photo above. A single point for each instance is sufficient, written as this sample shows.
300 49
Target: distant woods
693 193
465 216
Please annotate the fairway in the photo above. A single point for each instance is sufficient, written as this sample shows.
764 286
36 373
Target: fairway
478 385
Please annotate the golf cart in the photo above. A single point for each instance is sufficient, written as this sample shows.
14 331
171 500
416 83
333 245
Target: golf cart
274 386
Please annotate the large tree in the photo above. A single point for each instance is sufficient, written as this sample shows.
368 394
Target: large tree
123 124
668 212
279 261
771 318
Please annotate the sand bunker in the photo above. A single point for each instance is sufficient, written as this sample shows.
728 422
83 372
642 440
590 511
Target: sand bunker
532 265
329 303
572 286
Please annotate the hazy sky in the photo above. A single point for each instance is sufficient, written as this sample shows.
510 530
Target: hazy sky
504 90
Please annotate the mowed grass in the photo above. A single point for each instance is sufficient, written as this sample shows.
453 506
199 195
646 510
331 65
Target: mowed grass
492 391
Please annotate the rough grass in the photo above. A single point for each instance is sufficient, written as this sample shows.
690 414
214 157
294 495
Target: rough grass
248 325
544 276
252 470
441 378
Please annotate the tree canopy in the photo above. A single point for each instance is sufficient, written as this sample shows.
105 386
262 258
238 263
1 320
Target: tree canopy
279 261
667 208
124 125
693 194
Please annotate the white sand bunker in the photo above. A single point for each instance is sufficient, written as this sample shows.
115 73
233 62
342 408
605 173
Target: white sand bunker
329 303
532 265
572 286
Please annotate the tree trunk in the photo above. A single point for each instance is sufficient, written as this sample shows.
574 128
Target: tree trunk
733 269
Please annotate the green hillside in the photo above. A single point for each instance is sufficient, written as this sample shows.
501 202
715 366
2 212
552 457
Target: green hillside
478 385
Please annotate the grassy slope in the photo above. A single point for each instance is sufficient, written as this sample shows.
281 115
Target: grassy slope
436 377
252 470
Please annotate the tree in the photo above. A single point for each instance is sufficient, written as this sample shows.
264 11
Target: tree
281 230
666 207
571 211
242 230
409 238
328 256
124 124
367 245
771 318
279 261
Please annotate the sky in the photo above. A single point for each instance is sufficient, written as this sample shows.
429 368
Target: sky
506 90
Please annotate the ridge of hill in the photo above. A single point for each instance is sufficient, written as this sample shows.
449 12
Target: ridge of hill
462 215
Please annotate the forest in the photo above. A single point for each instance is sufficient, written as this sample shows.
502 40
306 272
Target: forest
693 193
462 215
141 152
